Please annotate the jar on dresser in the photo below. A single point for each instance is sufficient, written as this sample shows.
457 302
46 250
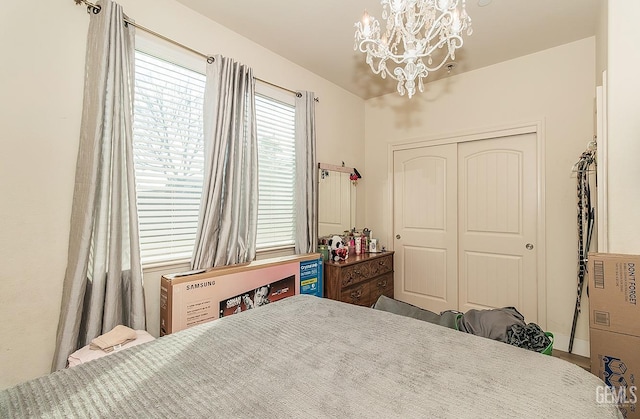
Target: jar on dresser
360 279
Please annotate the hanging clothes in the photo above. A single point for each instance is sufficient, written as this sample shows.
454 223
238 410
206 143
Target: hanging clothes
586 219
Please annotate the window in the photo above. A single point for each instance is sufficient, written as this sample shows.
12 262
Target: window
169 161
169 157
275 122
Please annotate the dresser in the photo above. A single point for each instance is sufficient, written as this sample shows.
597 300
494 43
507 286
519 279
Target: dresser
360 279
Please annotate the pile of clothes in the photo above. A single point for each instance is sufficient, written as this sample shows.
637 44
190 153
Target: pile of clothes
503 324
119 338
506 325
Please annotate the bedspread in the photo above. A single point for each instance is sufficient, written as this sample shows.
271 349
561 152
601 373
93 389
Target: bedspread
311 357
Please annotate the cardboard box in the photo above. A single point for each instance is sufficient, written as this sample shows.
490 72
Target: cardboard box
192 298
254 298
615 358
311 276
613 292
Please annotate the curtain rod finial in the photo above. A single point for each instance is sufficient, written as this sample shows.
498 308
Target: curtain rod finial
90 6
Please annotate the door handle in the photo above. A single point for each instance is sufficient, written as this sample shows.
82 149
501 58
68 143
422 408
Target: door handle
398 236
529 246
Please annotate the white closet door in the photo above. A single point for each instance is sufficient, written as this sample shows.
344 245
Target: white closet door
497 213
425 227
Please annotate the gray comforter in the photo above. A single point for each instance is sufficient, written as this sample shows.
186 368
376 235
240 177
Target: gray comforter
310 357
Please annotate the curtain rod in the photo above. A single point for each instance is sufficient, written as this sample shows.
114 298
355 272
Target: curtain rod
95 9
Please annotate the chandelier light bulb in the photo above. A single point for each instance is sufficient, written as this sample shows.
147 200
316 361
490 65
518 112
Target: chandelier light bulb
415 30
456 24
365 21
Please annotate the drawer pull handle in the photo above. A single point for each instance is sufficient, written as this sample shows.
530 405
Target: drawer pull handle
356 294
357 272
382 283
381 262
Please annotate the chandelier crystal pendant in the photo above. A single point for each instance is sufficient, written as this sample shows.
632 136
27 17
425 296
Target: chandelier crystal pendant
415 29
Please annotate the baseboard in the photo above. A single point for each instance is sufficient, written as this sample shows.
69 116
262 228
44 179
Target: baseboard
580 346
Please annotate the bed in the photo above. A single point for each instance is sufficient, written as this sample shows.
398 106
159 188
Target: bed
311 357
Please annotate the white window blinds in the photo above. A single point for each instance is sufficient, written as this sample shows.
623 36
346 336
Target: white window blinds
275 122
168 153
169 161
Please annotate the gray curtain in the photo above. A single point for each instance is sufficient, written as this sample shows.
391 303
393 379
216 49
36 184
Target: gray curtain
228 218
103 281
306 174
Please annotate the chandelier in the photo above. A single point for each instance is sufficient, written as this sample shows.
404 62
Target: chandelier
416 29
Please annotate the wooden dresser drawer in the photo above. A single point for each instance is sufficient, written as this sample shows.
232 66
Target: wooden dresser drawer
353 274
380 266
382 285
359 294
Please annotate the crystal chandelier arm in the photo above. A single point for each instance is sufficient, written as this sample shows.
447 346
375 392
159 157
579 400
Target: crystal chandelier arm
424 15
380 66
381 51
436 27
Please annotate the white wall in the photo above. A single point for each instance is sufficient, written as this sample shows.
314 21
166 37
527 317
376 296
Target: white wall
601 40
624 127
556 86
41 81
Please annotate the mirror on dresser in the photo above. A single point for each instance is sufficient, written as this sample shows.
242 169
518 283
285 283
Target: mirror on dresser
336 199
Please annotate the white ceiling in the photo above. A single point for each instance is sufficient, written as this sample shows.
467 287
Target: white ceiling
318 34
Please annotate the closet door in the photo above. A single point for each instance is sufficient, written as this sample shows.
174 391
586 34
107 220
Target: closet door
497 224
425 226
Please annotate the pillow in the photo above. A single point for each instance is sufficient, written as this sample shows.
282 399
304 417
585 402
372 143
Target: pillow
391 305
446 318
